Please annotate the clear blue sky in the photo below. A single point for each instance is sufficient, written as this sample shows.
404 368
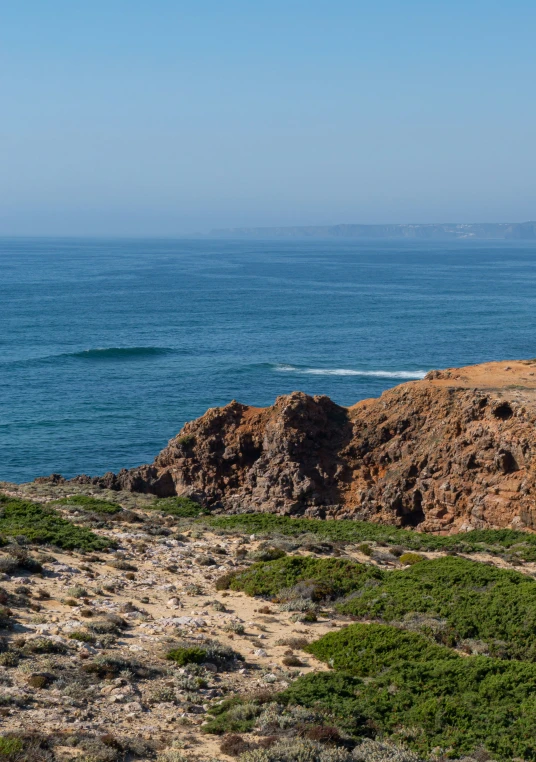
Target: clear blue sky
168 117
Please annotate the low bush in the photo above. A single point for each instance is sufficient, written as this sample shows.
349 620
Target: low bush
44 525
298 750
476 601
495 541
267 553
180 507
224 582
17 559
82 637
90 504
384 751
331 577
77 591
183 655
292 661
232 715
334 693
408 559
44 646
219 654
10 746
234 745
452 703
237 628
366 649
121 565
104 626
111 666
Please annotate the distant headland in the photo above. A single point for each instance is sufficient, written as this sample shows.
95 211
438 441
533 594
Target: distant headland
513 231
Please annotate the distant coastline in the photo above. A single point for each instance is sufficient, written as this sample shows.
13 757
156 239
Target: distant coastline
513 231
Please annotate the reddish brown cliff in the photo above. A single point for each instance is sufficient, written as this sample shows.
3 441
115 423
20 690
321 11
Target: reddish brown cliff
453 451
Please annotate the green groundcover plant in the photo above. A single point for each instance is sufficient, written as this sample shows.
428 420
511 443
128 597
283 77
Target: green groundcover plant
180 507
457 601
495 541
388 683
427 694
43 525
90 503
332 577
475 601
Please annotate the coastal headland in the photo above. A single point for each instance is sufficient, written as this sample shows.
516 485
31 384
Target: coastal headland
452 452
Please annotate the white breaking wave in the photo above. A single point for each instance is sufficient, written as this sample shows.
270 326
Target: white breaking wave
347 372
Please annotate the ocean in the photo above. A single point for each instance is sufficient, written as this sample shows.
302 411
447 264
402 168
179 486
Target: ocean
108 347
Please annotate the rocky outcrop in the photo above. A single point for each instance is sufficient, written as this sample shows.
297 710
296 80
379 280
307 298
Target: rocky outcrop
454 451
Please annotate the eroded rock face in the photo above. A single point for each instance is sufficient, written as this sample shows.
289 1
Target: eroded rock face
454 451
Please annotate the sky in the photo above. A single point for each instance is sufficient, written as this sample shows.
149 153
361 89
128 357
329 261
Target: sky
163 117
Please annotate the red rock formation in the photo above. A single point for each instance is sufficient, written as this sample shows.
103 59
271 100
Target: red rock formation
453 451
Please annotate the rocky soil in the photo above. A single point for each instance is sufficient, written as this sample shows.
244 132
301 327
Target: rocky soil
449 453
83 661
85 655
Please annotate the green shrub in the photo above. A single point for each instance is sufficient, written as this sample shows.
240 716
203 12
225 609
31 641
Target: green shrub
233 715
224 582
366 649
336 576
373 751
187 655
333 692
83 637
267 553
44 525
408 559
90 503
452 703
10 746
44 646
181 507
477 601
495 541
77 591
297 750
186 440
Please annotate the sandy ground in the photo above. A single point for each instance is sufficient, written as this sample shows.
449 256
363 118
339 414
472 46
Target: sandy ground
169 594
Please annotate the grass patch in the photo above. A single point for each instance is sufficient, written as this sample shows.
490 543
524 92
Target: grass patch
495 541
332 577
475 600
451 703
43 525
91 504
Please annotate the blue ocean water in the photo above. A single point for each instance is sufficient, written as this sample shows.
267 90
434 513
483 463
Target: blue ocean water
108 346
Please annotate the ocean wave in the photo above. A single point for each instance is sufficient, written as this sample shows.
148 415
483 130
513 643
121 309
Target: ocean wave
119 353
408 374
98 354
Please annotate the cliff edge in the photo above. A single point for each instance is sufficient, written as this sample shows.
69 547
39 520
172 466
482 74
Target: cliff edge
454 451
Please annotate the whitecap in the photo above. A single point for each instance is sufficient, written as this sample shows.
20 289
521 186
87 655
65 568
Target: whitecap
407 374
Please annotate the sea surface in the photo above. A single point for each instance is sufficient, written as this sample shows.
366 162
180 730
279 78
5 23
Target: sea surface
107 347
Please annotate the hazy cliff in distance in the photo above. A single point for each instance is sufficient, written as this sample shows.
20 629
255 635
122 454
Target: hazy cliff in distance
439 231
